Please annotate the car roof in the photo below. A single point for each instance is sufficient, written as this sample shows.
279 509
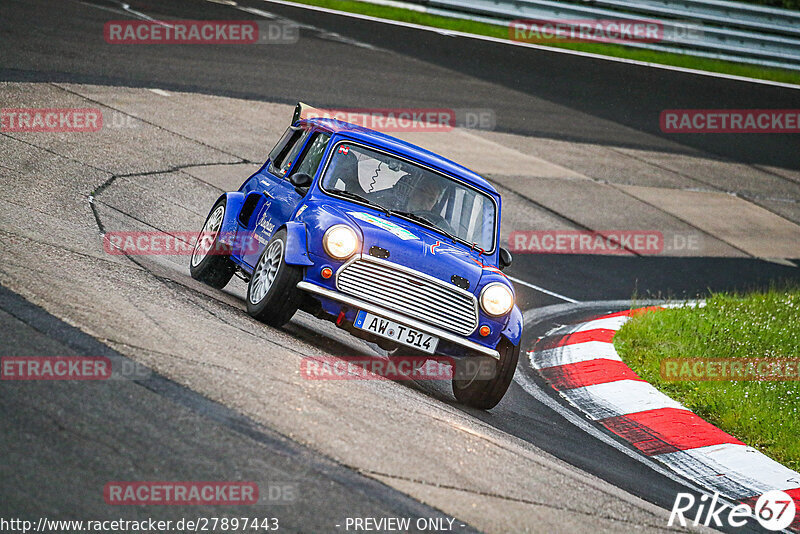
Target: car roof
393 144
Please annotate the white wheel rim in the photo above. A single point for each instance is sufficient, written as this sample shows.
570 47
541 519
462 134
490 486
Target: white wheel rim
266 271
208 235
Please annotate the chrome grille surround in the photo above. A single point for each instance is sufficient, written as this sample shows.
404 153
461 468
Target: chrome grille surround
409 292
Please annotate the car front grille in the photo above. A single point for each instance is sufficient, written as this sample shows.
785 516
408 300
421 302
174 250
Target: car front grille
411 293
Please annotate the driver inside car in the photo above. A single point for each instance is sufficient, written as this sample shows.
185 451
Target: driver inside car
420 193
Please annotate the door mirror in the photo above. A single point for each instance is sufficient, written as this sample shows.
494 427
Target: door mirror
301 182
505 258
300 179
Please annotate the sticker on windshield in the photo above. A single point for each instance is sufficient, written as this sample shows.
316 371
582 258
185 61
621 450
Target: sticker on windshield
391 227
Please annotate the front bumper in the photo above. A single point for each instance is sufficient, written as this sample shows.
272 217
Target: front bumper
394 316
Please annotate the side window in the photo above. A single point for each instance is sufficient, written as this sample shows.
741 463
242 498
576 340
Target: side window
281 147
285 155
310 161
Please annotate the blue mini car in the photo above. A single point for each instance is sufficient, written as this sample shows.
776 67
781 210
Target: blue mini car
395 244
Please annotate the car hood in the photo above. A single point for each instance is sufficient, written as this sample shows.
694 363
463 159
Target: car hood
418 248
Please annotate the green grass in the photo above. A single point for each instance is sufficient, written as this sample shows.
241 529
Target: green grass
764 414
480 28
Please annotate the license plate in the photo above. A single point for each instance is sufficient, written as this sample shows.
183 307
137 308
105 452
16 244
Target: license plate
396 332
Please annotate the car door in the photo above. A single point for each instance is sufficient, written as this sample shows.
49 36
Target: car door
280 199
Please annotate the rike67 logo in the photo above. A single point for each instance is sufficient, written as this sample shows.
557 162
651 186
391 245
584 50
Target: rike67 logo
775 510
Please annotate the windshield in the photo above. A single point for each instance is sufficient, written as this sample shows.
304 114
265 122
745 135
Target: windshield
406 188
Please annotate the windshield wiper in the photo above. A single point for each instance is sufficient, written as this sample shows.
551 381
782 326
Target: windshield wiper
426 222
353 196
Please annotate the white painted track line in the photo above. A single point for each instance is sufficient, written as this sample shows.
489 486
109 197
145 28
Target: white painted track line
622 397
608 323
575 353
732 468
586 426
541 289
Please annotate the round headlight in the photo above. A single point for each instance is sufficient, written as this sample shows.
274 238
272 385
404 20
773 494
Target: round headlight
497 299
340 241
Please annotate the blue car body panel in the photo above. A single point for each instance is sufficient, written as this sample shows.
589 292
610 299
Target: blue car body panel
296 248
267 202
233 205
513 328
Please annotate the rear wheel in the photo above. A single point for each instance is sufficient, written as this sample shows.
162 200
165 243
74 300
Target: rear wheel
210 262
478 392
272 294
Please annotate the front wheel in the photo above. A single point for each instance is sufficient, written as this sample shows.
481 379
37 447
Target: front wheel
272 294
482 393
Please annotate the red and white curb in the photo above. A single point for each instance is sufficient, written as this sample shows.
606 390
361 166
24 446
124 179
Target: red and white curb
586 370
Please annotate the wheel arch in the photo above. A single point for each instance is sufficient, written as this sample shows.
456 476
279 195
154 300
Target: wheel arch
230 223
296 245
513 329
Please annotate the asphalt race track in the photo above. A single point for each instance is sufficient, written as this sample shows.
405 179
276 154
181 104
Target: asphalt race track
217 395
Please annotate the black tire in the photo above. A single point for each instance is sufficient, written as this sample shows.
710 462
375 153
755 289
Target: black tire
485 394
216 268
282 298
